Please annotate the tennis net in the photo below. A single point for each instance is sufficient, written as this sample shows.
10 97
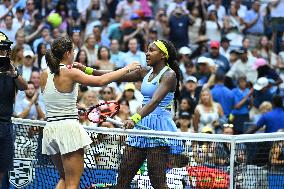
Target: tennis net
198 160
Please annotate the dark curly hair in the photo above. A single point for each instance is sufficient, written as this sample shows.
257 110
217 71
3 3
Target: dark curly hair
173 64
55 55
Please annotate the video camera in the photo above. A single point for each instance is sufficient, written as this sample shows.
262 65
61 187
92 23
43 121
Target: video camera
5 51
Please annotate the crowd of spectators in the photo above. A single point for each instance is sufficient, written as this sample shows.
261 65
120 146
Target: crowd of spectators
230 52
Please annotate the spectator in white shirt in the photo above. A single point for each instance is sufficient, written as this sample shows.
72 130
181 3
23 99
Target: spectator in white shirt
10 30
29 107
221 12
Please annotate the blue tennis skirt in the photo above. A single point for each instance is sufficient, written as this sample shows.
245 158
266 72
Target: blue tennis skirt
157 122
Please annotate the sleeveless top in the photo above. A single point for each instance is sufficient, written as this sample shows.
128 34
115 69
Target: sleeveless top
148 88
59 106
207 118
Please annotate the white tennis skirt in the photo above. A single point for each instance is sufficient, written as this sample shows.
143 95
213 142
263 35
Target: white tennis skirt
63 137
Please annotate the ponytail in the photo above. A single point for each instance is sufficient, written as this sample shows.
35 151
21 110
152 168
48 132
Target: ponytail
52 62
173 64
55 55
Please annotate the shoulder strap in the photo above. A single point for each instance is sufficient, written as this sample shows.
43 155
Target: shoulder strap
158 77
146 78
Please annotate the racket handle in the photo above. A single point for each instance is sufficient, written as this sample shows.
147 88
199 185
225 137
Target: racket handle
118 123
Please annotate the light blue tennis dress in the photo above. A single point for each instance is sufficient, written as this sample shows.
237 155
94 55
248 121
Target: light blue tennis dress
159 120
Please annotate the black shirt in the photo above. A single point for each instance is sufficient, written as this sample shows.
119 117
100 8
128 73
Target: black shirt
7 96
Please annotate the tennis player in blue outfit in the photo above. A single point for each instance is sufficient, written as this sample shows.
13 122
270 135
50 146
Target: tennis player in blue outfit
160 88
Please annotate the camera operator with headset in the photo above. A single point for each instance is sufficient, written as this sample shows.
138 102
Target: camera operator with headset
10 82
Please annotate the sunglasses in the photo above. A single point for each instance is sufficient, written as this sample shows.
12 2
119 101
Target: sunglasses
106 92
228 125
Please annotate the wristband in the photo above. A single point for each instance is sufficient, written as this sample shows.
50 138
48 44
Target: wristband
136 118
89 70
127 69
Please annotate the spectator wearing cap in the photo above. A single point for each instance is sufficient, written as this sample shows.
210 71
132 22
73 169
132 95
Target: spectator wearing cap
244 66
222 94
273 120
27 68
115 53
203 72
189 70
254 24
184 57
225 47
178 24
10 29
219 8
242 100
191 92
264 70
126 8
134 54
261 92
160 23
234 57
221 61
184 122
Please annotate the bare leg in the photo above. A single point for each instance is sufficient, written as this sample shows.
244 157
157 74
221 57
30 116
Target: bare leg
56 159
157 159
73 164
130 164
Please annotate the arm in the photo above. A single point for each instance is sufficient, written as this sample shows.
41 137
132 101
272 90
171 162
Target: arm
82 78
195 120
260 123
244 100
250 24
133 76
21 84
167 84
41 114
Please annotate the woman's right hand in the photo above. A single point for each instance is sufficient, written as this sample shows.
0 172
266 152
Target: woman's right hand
133 66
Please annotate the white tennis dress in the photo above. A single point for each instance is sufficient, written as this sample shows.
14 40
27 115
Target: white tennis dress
63 132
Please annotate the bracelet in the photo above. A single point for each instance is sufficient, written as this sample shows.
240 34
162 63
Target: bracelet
127 69
89 70
136 118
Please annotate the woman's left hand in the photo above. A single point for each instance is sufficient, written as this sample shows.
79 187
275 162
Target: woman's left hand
79 66
129 124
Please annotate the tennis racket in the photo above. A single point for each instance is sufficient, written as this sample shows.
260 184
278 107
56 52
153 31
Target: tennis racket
104 112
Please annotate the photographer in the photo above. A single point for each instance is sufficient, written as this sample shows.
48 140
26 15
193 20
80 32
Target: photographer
10 81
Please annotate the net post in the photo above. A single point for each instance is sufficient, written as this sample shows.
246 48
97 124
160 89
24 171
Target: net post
232 162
